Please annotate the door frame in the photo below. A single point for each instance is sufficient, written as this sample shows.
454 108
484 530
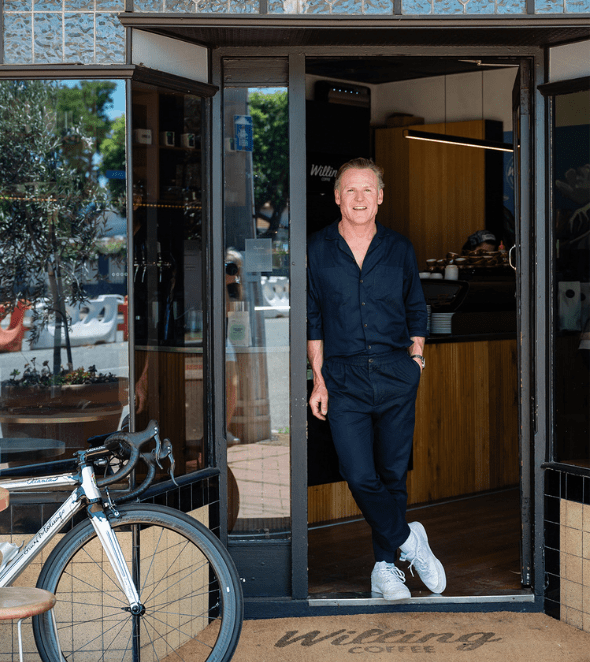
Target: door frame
531 263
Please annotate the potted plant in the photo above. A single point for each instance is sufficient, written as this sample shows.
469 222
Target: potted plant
52 216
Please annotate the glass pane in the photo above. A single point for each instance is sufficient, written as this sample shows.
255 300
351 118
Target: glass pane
571 219
257 306
63 281
167 273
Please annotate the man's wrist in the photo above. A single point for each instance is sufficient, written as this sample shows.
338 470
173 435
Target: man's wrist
420 357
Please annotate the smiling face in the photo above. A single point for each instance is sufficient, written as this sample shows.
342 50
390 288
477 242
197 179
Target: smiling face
359 196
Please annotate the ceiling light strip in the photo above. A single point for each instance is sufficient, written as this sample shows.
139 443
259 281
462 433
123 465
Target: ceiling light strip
458 140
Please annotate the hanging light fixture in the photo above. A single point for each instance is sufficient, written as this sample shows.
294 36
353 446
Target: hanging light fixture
447 139
458 140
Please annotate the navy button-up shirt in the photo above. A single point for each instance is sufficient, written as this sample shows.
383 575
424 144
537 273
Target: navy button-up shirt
373 311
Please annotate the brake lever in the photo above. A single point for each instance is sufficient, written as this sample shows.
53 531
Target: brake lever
167 452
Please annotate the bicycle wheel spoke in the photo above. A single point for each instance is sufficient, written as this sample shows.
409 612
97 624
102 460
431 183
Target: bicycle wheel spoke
179 569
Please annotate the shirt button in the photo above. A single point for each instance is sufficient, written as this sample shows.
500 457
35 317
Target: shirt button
363 303
370 360
361 280
370 348
365 325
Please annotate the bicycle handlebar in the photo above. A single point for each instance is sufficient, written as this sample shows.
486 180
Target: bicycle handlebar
128 444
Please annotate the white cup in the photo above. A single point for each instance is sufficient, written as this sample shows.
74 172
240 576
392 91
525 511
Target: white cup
424 275
451 272
436 276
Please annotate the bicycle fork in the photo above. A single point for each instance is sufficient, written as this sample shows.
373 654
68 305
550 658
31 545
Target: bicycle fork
109 540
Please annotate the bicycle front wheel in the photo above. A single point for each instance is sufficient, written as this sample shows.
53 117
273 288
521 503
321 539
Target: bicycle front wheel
186 580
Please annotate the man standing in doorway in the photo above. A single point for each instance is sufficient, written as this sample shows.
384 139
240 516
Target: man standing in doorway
366 330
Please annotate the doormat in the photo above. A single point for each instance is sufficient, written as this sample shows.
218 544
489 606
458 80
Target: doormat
415 637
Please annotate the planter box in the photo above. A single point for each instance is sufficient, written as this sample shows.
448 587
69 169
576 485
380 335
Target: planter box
70 413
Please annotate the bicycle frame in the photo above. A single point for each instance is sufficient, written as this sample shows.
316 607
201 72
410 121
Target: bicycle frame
86 487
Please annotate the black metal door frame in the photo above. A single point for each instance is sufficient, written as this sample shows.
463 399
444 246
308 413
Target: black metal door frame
531 266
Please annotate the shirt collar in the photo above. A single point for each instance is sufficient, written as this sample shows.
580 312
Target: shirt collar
332 233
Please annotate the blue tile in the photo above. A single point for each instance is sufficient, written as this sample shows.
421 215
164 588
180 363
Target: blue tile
48 5
244 6
511 7
148 5
18 39
79 38
378 7
448 7
212 6
549 6
78 5
480 7
414 7
185 6
110 5
48 42
17 5
110 39
577 6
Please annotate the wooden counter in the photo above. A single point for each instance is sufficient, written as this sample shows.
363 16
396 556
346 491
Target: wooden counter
466 435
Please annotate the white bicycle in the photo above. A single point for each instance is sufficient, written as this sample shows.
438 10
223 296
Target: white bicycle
134 582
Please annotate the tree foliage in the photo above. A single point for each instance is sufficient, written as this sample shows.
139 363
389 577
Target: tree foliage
112 150
270 119
51 207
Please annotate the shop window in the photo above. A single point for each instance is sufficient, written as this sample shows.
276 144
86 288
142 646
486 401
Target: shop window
168 267
571 245
63 276
257 276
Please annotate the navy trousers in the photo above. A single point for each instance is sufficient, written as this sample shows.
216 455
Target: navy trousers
371 411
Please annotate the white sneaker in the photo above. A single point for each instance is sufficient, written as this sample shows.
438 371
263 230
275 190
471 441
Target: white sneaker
429 568
389 581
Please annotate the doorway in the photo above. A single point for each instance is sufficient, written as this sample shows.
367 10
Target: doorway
464 481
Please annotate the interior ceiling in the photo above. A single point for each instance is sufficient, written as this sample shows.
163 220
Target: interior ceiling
331 35
376 70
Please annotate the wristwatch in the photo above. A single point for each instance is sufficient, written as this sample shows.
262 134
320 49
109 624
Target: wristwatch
417 356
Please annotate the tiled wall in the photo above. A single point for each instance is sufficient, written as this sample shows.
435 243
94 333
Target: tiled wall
567 548
89 32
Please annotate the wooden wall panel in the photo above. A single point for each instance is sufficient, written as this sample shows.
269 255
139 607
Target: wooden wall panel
466 435
434 193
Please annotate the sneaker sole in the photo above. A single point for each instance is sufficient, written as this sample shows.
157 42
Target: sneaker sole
442 583
375 593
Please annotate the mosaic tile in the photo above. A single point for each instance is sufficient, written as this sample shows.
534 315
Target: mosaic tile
18 39
511 7
46 48
110 39
186 6
577 6
148 5
47 5
17 5
377 7
78 5
110 5
413 7
212 6
449 7
79 38
350 7
549 6
552 484
479 6
244 6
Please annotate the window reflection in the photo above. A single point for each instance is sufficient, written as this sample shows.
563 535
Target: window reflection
168 268
257 309
63 335
571 169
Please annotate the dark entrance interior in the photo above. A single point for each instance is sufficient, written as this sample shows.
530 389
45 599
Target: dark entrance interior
464 478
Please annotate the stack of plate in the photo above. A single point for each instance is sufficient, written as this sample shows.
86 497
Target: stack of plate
441 323
429 310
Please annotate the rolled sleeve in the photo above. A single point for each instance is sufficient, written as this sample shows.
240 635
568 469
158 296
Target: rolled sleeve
415 303
315 329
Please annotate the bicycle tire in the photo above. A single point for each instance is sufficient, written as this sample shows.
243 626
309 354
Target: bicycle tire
185 578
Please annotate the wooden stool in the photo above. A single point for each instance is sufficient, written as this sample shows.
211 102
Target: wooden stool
19 602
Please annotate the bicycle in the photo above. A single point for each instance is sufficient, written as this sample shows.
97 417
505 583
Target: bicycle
134 582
